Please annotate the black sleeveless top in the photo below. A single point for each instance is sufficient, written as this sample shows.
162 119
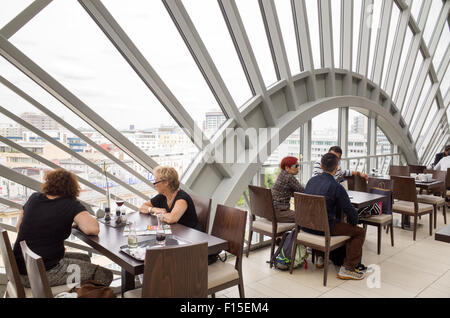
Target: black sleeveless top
189 217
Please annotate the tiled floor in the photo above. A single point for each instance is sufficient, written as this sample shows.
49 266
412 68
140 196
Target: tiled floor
409 269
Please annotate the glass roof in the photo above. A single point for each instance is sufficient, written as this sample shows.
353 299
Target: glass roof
66 42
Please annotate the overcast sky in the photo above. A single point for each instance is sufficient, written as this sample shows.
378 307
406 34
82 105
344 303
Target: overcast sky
66 43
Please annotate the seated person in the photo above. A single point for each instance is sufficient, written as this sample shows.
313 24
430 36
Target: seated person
443 164
175 204
284 188
336 197
46 222
339 176
441 155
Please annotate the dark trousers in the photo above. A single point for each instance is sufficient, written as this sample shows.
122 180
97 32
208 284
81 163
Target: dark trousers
354 245
285 216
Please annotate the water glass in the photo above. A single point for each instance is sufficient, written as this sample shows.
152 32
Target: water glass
132 237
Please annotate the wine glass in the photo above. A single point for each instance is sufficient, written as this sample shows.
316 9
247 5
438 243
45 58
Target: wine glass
160 234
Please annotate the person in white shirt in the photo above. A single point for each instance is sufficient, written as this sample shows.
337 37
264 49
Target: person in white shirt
443 164
340 174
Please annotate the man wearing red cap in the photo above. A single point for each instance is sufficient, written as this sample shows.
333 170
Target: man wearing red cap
284 188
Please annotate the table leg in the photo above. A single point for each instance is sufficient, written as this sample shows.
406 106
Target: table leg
127 281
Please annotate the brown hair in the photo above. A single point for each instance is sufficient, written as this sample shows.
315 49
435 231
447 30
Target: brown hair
168 174
60 182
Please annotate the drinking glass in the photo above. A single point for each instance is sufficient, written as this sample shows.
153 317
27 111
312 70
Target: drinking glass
132 237
160 234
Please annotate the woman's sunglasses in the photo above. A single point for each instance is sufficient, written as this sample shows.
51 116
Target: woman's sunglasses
296 166
155 183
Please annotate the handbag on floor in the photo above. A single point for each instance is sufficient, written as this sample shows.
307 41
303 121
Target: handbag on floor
93 289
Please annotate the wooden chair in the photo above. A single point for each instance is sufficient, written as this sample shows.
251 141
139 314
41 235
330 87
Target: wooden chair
14 287
37 276
311 213
357 183
416 169
261 206
174 272
437 200
405 192
399 171
229 225
203 209
380 220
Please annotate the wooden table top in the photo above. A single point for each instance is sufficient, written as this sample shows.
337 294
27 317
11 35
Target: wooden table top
443 235
363 199
419 184
110 239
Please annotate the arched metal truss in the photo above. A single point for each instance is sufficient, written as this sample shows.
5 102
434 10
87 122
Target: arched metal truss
289 103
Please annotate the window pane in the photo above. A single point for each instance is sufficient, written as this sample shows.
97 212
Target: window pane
284 10
337 29
443 44
405 50
208 20
423 96
357 11
312 11
82 59
324 133
11 9
417 64
166 52
251 16
433 16
376 25
415 8
392 27
357 134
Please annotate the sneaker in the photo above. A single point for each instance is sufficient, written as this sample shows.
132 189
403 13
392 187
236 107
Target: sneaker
361 268
345 273
319 262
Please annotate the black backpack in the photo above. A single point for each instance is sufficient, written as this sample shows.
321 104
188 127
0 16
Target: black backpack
282 258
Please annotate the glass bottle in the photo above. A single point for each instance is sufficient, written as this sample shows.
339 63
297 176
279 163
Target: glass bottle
132 236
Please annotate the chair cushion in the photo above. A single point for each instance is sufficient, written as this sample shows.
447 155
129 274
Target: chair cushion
320 239
135 293
430 199
408 207
378 218
220 273
266 225
448 193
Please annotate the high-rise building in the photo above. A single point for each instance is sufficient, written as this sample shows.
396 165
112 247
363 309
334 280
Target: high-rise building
213 120
41 122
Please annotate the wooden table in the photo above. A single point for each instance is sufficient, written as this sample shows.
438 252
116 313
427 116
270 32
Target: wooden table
363 199
427 186
443 235
110 239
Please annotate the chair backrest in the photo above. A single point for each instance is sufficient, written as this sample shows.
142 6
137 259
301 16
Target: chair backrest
380 183
176 272
36 273
357 183
404 188
447 179
261 202
416 169
229 224
311 213
203 210
399 171
14 288
441 176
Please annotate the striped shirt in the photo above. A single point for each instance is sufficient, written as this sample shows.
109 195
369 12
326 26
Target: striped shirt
339 176
283 190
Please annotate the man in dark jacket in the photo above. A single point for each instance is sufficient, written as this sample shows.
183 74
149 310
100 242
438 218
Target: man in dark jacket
441 155
336 198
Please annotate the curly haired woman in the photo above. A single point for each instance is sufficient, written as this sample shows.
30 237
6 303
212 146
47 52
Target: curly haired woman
46 222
